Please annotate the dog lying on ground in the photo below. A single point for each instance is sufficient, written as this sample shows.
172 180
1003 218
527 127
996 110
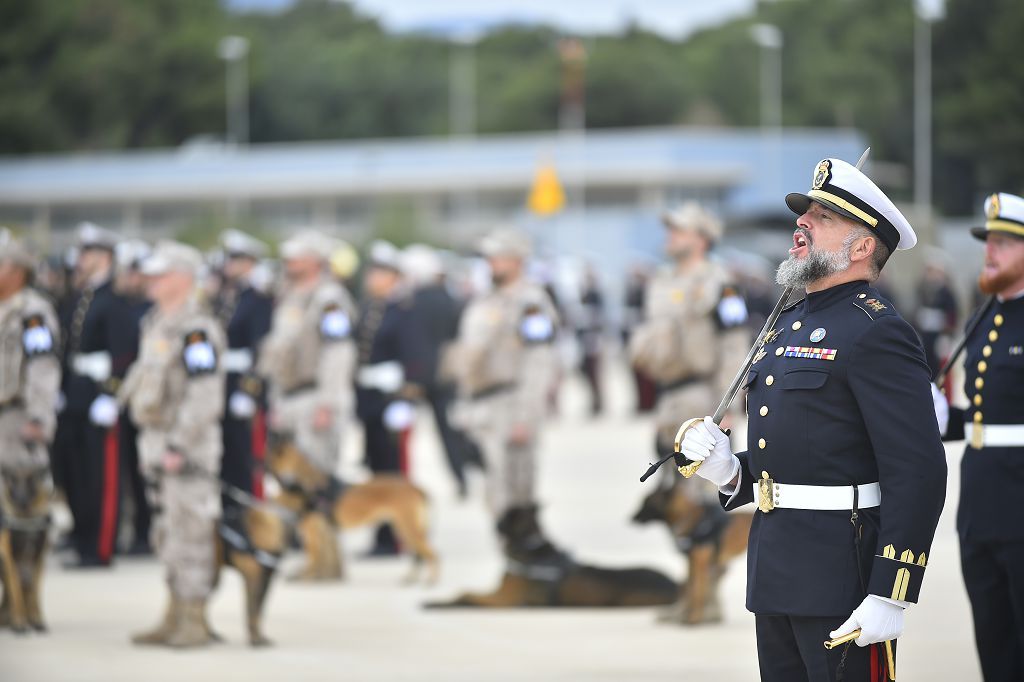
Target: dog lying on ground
708 536
24 524
539 574
324 504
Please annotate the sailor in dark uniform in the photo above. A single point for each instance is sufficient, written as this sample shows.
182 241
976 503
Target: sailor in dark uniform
992 468
390 371
101 338
245 314
844 457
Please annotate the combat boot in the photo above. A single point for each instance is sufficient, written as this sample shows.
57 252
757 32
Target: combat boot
160 633
190 629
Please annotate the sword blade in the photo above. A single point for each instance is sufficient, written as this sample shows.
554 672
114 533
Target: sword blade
940 376
737 381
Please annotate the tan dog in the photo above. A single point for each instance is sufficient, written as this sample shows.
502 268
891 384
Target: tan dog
708 536
24 522
323 504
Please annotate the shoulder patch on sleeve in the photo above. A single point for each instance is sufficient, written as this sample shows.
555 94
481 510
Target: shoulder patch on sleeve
36 338
536 326
873 307
198 353
335 323
731 310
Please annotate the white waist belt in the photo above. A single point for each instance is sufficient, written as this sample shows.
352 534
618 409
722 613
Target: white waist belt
386 377
96 365
237 360
823 497
994 435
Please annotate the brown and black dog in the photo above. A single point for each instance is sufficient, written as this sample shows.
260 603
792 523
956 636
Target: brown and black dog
251 539
708 536
539 574
323 504
24 541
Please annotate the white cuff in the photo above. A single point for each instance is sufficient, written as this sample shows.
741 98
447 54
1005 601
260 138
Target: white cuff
894 602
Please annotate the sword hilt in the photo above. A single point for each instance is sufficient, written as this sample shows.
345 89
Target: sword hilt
689 468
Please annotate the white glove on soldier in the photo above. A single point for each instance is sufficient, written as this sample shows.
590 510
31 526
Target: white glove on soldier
941 409
399 415
104 410
706 443
878 620
241 405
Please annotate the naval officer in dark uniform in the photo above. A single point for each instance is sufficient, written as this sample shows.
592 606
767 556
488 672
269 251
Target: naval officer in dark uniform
844 457
245 314
101 338
390 372
992 468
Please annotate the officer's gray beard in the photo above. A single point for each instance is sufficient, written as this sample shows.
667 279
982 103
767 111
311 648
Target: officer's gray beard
817 265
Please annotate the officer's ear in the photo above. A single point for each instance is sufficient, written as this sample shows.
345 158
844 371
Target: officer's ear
863 247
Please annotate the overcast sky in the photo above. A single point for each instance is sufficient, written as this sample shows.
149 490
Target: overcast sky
672 18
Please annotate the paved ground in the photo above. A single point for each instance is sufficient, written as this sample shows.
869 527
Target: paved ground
370 628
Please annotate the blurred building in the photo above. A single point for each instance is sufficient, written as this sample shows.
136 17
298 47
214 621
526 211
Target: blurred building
452 187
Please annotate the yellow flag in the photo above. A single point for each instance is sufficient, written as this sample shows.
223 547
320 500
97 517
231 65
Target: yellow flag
546 195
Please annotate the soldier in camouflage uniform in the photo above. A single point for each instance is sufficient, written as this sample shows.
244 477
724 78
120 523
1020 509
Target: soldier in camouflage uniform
175 392
694 324
507 365
29 368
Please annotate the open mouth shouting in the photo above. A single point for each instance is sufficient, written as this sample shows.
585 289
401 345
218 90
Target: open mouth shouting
801 243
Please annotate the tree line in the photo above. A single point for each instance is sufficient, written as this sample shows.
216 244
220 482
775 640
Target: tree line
87 75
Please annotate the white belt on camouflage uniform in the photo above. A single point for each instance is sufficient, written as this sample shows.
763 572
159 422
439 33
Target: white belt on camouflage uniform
96 366
820 497
386 377
994 435
237 360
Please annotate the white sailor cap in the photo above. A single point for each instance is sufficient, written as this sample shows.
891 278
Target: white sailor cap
693 216
13 250
421 264
92 236
169 256
1003 213
385 255
238 243
505 241
309 243
846 190
131 253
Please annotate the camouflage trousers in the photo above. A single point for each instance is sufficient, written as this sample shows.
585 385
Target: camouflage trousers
15 453
294 414
184 533
511 469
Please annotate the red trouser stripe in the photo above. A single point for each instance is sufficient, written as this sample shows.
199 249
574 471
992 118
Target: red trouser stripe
259 451
404 455
108 504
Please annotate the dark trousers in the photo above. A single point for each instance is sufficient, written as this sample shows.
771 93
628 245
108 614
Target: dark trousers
236 465
791 649
91 477
994 576
591 367
458 448
134 483
383 455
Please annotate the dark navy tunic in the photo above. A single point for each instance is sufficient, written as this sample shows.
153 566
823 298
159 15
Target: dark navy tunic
852 406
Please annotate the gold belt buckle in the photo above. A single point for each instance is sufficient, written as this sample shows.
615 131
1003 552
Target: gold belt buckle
765 488
978 436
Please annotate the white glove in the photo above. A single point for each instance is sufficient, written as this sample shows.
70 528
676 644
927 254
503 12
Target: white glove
104 410
399 415
941 409
705 442
241 405
878 620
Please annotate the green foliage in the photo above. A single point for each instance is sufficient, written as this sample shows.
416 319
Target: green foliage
109 74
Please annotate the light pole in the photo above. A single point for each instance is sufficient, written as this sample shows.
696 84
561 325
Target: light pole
234 50
924 14
769 38
462 84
